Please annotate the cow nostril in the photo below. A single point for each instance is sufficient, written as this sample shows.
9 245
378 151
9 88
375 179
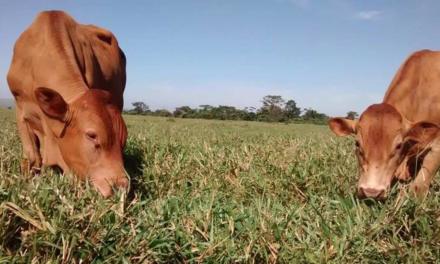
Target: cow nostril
371 193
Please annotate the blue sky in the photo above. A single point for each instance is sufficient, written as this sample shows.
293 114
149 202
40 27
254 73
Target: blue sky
333 56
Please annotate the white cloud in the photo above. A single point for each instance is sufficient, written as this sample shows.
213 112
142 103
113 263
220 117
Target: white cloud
369 14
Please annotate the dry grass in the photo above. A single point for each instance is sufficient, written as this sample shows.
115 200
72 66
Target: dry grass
214 192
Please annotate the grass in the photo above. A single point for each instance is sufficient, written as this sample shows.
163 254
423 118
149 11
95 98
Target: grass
214 192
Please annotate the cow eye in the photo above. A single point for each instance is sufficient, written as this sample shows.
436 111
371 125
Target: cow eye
399 146
356 143
91 135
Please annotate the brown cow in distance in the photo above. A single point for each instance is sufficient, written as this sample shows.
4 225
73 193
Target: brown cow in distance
395 136
68 81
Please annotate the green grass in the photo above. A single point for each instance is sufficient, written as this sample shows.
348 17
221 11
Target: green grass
214 192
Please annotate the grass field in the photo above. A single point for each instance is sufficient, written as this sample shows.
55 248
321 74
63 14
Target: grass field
214 192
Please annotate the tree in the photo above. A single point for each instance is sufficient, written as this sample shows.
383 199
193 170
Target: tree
225 112
205 111
206 107
183 111
291 110
273 101
352 115
272 109
250 109
249 113
311 114
140 108
162 112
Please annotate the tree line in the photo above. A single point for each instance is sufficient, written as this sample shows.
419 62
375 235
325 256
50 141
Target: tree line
274 109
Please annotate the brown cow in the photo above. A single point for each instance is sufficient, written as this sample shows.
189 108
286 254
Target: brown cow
68 81
402 131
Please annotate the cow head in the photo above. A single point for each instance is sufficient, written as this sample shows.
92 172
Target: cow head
384 139
90 134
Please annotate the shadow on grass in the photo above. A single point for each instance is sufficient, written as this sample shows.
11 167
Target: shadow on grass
11 240
133 162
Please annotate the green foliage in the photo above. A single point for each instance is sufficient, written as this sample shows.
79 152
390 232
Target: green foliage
352 115
183 111
291 110
162 112
313 115
214 192
140 108
221 112
273 109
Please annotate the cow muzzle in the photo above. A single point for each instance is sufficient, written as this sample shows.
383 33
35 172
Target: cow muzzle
374 193
105 184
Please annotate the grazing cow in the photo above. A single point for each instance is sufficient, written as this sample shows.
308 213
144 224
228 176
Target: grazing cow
68 81
398 138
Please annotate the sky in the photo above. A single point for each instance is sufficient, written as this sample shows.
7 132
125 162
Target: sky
333 56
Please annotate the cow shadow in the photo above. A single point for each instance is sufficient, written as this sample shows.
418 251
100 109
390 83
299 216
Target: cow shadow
133 163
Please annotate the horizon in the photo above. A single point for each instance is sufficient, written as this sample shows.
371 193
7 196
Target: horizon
333 56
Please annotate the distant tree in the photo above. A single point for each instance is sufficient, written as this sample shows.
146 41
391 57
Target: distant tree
273 101
162 112
272 109
205 111
250 109
206 107
291 110
9 107
225 112
249 113
140 108
311 114
184 112
352 115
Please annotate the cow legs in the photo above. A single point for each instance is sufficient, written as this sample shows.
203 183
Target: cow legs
31 162
431 163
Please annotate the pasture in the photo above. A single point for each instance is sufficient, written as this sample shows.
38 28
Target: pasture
214 192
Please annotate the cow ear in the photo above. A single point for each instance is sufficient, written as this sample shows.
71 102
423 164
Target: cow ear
422 133
54 106
342 126
51 102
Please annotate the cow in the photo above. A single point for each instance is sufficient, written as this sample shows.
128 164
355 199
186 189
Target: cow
68 81
399 137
